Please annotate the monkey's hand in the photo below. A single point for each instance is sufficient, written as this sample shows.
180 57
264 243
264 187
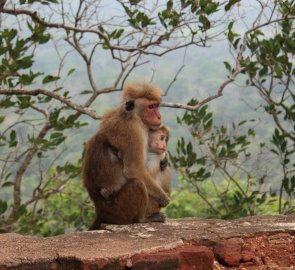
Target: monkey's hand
106 193
164 163
163 200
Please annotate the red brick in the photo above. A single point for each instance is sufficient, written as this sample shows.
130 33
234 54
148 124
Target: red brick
199 258
182 258
228 252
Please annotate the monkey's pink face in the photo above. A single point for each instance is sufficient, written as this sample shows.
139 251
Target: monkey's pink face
158 141
151 115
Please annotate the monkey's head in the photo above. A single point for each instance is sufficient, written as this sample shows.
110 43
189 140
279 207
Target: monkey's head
158 140
143 99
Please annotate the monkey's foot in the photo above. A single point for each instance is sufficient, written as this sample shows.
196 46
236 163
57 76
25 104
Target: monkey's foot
157 217
95 225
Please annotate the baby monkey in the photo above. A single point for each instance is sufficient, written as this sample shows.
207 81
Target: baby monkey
156 162
157 157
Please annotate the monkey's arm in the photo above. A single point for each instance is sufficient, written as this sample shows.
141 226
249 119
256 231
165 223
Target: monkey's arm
164 162
166 181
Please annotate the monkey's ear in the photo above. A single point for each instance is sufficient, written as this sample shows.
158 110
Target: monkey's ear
129 105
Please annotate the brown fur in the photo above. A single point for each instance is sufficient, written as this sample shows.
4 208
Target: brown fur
161 175
141 90
126 132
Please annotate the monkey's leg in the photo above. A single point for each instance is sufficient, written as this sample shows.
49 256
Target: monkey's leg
95 225
153 207
153 213
97 221
128 206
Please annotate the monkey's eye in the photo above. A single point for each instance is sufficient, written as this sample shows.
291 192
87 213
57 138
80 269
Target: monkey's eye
162 138
153 106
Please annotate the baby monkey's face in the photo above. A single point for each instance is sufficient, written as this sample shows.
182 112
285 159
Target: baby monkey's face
158 141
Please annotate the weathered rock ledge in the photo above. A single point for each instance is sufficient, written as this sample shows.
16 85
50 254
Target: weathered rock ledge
263 242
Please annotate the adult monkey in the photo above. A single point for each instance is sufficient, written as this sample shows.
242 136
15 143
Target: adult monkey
156 164
128 133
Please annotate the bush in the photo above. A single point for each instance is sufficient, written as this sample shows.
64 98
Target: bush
63 212
187 203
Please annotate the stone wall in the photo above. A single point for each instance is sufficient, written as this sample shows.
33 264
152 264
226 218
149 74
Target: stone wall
263 242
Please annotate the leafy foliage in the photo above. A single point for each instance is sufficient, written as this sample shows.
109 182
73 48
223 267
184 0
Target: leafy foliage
40 113
67 210
217 153
186 203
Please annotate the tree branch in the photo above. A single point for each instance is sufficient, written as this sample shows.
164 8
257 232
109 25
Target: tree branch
22 169
232 77
21 92
139 48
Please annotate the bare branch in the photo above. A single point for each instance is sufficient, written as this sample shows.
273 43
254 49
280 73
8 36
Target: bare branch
36 108
46 194
231 78
174 79
22 169
218 94
139 48
21 92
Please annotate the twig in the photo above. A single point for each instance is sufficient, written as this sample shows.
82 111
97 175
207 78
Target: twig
22 169
21 92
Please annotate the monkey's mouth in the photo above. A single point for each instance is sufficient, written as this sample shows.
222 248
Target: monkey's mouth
161 151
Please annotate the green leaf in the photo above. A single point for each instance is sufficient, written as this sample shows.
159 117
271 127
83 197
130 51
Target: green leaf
7 184
169 4
3 207
86 92
251 132
228 66
25 62
206 23
24 101
71 71
230 4
2 118
263 71
21 211
118 33
230 26
202 111
236 43
13 140
208 125
278 71
286 161
134 2
50 78
56 135
9 35
242 123
211 8
189 148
